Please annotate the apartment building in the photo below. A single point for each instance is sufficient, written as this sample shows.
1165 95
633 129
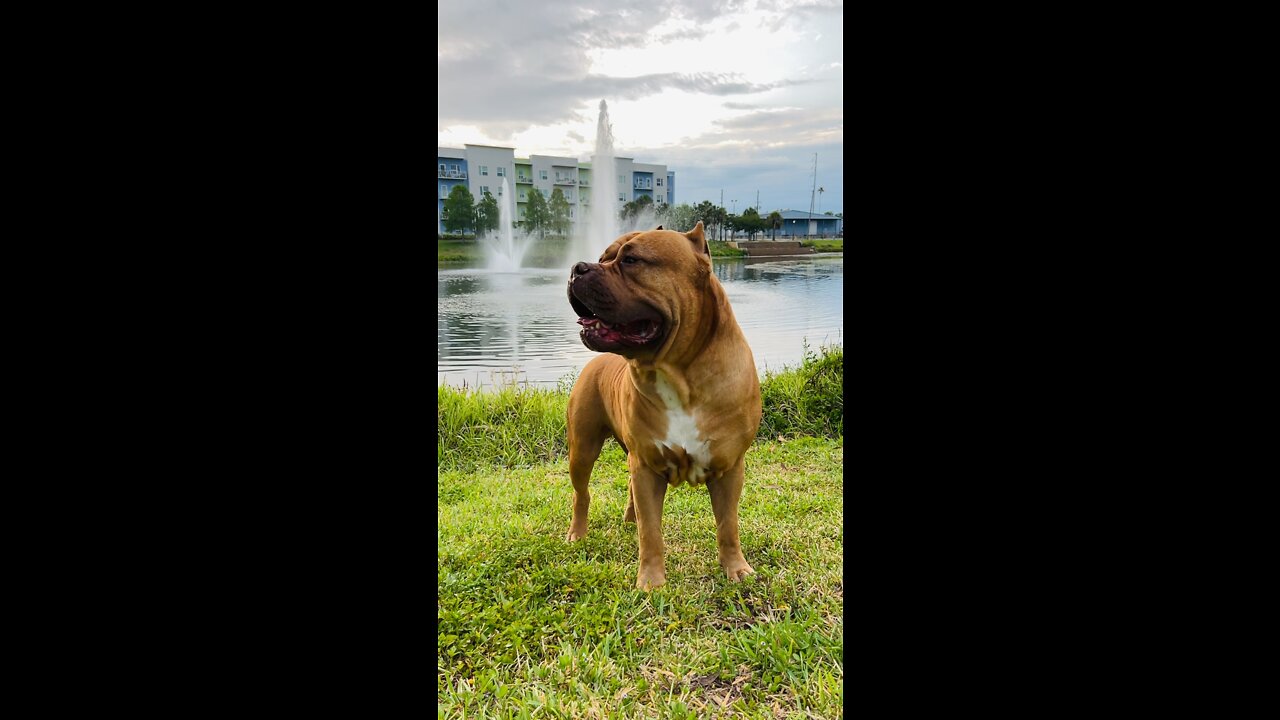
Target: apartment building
483 167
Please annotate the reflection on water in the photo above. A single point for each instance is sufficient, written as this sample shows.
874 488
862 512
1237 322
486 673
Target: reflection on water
496 327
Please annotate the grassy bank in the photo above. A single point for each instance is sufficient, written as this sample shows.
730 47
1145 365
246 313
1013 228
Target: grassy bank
513 427
530 625
825 244
719 249
546 252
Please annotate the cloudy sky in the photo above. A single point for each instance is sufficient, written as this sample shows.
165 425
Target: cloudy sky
732 95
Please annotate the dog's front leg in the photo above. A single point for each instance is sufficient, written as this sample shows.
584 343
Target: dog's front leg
649 490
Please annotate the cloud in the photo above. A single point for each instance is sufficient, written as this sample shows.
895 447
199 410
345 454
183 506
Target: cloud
730 94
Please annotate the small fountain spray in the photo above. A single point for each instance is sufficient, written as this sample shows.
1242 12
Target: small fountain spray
506 251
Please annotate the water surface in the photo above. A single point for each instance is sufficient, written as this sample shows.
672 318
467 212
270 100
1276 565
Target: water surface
495 327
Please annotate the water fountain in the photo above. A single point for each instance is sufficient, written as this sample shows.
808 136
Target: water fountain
506 251
601 228
506 248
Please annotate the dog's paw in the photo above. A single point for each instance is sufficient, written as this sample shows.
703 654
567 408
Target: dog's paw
738 573
648 580
574 535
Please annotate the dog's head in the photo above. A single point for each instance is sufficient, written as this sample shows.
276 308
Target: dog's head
645 287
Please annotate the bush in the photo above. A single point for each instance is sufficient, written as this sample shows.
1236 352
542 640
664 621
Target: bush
808 400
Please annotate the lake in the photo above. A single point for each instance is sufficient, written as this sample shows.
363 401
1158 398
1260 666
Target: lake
494 328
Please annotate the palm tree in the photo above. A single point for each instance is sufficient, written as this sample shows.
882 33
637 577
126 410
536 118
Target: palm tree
775 222
820 191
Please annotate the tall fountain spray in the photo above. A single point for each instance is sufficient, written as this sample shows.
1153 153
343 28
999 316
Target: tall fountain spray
505 251
602 226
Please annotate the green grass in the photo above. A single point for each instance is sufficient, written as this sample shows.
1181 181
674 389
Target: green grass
808 400
545 252
521 427
825 244
719 249
531 626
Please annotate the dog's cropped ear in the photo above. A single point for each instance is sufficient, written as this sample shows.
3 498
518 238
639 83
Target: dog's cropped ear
699 239
658 228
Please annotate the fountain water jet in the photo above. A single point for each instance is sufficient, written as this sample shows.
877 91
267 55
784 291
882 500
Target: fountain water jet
506 251
601 228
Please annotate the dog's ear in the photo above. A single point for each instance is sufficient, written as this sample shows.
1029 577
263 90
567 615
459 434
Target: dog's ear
699 239
658 228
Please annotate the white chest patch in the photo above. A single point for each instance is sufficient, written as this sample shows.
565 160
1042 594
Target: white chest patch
682 433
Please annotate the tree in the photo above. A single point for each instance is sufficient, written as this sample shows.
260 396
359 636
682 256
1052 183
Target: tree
537 216
662 214
633 209
487 216
751 222
558 212
681 217
459 210
775 222
713 218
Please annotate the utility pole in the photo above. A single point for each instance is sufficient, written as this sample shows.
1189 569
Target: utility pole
757 201
813 190
720 230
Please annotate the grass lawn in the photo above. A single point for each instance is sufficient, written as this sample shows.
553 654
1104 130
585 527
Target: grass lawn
546 252
826 244
719 249
530 625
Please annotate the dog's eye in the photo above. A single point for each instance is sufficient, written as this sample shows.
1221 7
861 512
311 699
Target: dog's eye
630 260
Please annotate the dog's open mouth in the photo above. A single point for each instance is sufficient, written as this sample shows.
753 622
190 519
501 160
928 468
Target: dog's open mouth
635 333
599 333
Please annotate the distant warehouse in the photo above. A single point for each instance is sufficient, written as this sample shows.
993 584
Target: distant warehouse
798 223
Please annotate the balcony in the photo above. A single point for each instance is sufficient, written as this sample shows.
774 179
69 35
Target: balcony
455 174
644 185
524 179
584 182
565 180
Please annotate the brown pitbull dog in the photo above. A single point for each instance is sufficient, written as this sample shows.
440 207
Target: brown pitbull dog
676 387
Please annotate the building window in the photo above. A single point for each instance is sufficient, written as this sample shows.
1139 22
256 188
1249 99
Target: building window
444 191
453 168
659 182
542 174
441 168
499 191
484 169
502 172
622 198
570 213
484 189
621 180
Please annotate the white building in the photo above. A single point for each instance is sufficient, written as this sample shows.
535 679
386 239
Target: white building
482 168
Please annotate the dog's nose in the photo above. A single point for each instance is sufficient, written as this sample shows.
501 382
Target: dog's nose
581 269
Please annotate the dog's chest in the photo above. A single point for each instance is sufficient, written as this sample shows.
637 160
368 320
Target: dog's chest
686 454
